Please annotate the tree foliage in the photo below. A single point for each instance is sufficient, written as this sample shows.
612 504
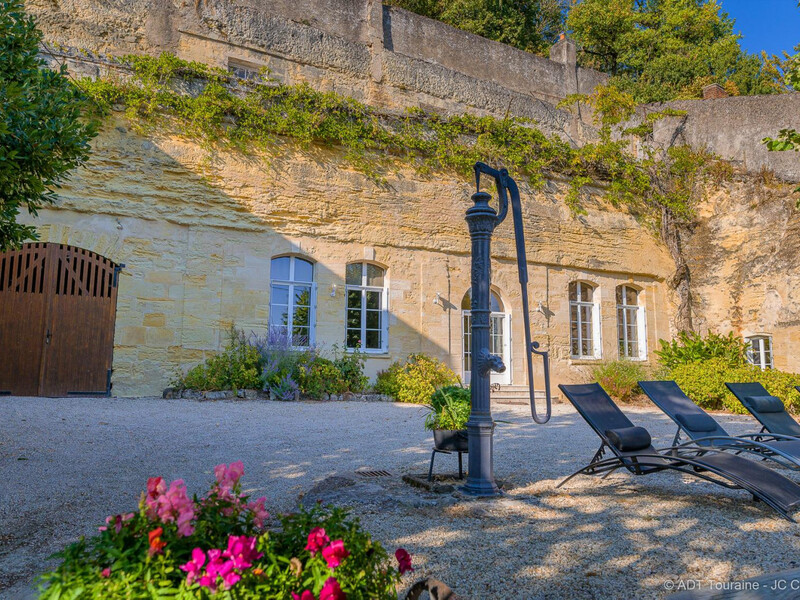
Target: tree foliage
659 50
530 25
42 133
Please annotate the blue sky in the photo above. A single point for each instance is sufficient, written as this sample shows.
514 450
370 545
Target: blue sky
771 25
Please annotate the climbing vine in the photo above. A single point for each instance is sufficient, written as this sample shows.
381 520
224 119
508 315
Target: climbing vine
217 109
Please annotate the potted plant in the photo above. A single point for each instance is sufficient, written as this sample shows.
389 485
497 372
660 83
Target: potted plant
447 418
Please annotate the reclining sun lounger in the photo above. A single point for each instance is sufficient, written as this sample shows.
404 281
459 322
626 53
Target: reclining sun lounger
633 451
704 430
769 410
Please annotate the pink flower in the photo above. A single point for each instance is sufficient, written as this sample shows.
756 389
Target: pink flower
242 551
331 590
259 511
106 572
317 540
173 505
306 595
229 475
155 487
335 553
403 560
118 521
194 566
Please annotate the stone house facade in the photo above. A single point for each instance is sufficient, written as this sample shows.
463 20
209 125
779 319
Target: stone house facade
296 238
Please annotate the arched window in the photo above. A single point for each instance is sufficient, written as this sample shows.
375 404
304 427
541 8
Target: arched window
630 324
366 322
760 351
584 320
292 299
499 336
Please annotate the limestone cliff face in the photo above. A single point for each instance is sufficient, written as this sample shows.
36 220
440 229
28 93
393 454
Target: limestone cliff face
743 256
197 230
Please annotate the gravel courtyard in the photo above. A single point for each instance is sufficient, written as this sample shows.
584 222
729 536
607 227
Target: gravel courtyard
65 464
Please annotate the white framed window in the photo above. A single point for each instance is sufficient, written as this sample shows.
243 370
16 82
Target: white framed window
760 351
631 333
584 320
366 308
292 299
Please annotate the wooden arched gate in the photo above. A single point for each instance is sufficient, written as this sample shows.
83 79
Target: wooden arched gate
57 310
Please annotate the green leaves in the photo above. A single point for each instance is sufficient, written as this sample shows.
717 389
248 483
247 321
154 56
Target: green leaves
659 50
43 133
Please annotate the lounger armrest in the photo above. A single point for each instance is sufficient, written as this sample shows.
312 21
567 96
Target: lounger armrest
765 437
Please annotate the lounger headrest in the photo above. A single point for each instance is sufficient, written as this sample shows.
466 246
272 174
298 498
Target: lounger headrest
765 404
696 423
629 439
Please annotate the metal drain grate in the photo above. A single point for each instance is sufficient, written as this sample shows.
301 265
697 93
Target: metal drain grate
368 473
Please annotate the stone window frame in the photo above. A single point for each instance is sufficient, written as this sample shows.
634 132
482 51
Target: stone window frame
576 318
363 288
291 283
759 353
627 312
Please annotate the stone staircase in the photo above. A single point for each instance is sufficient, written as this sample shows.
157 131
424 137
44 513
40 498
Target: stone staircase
518 394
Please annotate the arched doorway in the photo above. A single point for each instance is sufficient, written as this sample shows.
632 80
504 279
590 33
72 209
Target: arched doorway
499 337
57 310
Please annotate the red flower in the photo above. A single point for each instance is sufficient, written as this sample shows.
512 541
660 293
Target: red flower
332 591
306 595
106 572
156 543
317 540
335 553
403 560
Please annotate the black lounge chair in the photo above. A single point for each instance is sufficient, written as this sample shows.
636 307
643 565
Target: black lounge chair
633 451
704 430
767 409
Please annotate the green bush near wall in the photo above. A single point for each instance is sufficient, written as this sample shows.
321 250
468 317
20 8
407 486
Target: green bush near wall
704 382
620 378
416 379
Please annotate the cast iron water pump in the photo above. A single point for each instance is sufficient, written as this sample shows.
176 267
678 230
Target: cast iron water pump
482 219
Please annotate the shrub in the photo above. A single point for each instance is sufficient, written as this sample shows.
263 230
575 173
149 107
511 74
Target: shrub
177 547
620 378
691 347
450 408
319 376
704 382
416 379
351 367
238 366
280 362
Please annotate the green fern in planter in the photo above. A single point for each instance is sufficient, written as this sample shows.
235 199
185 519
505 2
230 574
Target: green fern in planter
449 408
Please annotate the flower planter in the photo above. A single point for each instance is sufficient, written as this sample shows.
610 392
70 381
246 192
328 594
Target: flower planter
451 440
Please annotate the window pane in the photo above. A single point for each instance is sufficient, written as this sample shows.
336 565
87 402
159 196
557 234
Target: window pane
278 314
280 294
300 336
280 268
301 316
373 319
373 340
354 319
302 295
353 274
573 291
353 298
374 300
586 293
631 296
353 338
497 306
466 301
374 276
620 295
303 270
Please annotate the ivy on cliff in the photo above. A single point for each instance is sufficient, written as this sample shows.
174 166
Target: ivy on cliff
212 106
